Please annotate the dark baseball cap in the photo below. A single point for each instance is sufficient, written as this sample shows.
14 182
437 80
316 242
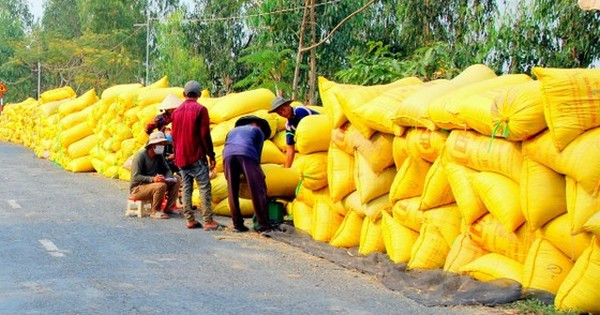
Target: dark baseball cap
192 87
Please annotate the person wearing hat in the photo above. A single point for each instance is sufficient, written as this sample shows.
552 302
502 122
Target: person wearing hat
194 154
241 156
160 121
293 115
151 177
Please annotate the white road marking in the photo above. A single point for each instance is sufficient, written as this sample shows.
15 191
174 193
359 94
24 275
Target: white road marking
51 248
13 203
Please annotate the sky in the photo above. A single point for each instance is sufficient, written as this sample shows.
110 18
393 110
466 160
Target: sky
37 8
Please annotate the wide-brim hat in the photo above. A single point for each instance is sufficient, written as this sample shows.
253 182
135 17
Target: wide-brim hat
263 124
170 102
156 137
278 102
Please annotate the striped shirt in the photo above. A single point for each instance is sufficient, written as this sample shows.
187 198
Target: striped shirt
299 112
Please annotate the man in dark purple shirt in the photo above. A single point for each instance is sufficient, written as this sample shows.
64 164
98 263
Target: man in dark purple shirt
241 156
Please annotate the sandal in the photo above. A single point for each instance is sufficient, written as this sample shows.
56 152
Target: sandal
159 215
193 225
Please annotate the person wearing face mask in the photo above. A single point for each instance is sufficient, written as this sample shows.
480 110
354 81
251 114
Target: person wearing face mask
151 177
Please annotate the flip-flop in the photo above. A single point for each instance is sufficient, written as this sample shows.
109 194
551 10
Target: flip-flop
159 215
194 225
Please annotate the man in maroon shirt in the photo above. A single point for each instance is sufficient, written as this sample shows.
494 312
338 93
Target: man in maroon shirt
194 154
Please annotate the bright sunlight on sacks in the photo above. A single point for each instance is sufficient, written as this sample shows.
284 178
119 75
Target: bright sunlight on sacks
371 239
348 234
462 252
494 266
545 267
313 134
397 238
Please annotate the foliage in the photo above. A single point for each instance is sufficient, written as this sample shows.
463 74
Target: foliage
269 67
535 307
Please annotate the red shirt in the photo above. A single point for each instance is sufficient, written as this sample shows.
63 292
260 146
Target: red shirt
191 134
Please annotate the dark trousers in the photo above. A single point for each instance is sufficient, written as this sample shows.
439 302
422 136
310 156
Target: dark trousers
234 167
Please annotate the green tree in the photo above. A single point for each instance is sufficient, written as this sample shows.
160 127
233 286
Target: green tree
62 18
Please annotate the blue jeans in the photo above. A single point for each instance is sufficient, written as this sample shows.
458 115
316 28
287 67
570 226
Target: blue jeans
201 173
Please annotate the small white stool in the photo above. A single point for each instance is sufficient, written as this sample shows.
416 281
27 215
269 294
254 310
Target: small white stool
137 207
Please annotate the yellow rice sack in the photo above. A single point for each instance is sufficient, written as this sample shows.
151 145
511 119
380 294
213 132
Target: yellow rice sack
371 239
81 164
490 235
436 189
545 267
82 147
409 180
399 151
475 111
425 144
377 150
369 184
325 221
479 152
407 213
376 207
430 249
340 173
414 110
377 114
494 266
593 224
271 154
241 103
74 134
354 98
222 208
500 195
462 252
57 95
518 113
218 188
313 170
73 106
581 206
124 174
470 205
152 96
444 111
398 239
571 102
542 193
579 291
558 232
75 118
348 234
112 93
446 219
302 216
280 181
313 134
327 91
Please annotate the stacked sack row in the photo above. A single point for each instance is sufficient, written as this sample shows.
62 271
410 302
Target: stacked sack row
479 187
224 112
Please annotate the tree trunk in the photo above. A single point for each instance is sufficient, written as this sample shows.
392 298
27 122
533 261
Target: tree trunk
312 79
299 54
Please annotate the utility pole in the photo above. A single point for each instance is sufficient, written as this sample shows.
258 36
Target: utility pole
39 79
147 25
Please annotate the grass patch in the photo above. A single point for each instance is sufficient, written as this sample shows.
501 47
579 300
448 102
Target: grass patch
535 307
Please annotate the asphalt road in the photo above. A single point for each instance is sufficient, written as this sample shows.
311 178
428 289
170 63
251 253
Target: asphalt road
67 248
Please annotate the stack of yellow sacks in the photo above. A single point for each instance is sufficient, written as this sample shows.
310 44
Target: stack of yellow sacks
480 188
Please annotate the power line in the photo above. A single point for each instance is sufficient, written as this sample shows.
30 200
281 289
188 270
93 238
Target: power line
241 17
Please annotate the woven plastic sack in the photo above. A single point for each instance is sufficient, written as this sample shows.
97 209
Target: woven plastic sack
446 219
75 118
340 173
475 111
436 189
407 213
558 233
280 181
430 249
542 193
479 152
271 154
348 234
493 266
462 252
354 98
313 134
75 134
377 114
112 93
218 188
581 206
399 151
369 184
500 195
425 144
81 164
325 221
593 224
376 207
313 170
571 102
327 91
78 104
490 235
82 147
153 96
222 208
57 94
409 180
579 291
470 205
545 267
397 238
443 111
377 150
302 216
371 239
518 112
241 103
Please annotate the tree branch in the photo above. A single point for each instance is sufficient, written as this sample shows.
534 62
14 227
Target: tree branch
338 26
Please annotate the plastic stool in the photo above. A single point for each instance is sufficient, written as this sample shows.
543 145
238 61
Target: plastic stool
136 207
